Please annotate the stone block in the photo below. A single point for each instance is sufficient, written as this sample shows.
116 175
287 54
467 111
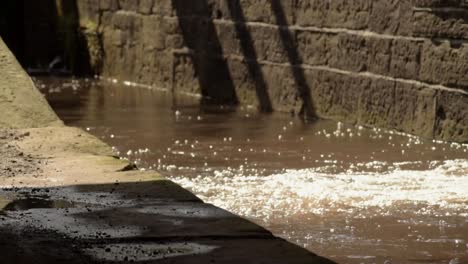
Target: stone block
380 53
311 12
246 86
129 5
152 35
350 53
391 17
437 3
282 88
336 95
208 9
271 45
315 48
262 43
264 11
350 14
441 24
444 64
164 8
174 42
146 7
376 103
107 5
88 10
405 60
229 38
184 75
452 116
414 109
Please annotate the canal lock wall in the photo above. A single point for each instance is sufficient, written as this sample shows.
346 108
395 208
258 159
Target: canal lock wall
396 64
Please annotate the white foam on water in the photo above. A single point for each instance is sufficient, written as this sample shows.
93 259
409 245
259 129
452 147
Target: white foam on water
442 188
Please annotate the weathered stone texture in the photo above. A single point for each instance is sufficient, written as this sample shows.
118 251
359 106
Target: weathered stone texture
405 60
21 104
414 109
380 54
441 23
352 14
375 62
354 49
452 116
443 64
315 47
337 96
439 3
185 77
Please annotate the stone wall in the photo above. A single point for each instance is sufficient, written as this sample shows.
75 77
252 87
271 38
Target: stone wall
42 32
398 64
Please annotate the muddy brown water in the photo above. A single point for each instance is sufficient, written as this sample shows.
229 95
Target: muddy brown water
352 194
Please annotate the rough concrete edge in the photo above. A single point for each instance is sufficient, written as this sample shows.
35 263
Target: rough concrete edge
21 103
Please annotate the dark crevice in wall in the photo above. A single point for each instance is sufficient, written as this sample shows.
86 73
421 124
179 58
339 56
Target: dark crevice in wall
42 45
290 46
248 49
211 67
44 36
12 26
75 50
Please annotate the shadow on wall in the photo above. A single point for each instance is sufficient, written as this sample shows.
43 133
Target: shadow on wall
44 35
201 38
289 44
248 49
211 68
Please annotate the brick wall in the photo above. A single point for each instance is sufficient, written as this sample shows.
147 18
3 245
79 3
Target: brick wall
398 64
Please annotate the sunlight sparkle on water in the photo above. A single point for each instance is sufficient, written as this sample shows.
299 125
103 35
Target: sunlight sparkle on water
310 191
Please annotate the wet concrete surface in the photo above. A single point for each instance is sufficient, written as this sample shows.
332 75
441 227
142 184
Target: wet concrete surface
121 223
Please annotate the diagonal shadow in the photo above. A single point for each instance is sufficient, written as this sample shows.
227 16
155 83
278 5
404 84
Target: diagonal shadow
247 46
308 108
200 36
61 224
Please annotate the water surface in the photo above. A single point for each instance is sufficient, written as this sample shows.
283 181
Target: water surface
352 194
